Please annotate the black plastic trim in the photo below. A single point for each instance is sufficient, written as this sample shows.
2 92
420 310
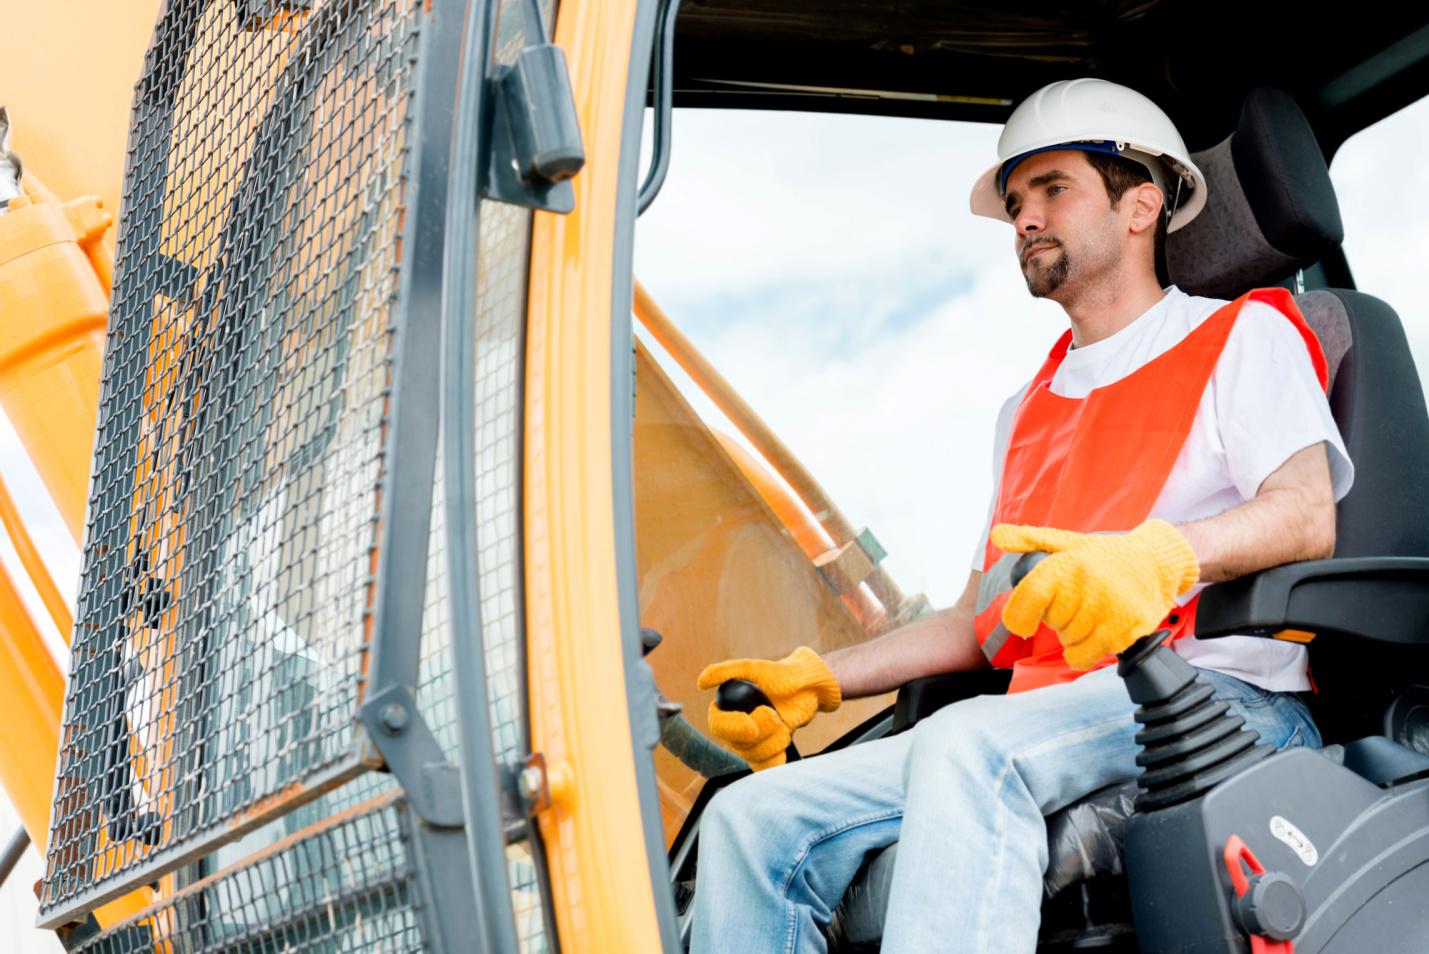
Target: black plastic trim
922 697
1385 599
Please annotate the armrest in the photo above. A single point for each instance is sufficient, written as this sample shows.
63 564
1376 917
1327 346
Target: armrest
922 697
1380 598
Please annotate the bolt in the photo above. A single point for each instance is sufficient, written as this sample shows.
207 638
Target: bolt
530 782
393 719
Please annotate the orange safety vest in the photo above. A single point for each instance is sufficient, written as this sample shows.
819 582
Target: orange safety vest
1098 464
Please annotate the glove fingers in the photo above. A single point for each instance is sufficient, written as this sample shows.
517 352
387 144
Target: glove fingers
798 709
766 749
801 673
751 670
738 728
1104 640
1078 626
1069 607
1030 599
1090 651
741 730
1015 538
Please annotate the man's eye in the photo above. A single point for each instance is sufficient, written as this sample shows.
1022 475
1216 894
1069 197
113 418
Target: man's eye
1053 190
1013 210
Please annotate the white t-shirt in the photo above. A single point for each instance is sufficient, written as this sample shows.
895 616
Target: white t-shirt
1263 403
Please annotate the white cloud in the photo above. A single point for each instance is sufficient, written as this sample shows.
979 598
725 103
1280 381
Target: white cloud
18 906
762 198
829 267
1381 180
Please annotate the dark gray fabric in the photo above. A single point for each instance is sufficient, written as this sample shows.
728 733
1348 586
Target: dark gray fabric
857 923
1378 404
1222 252
1085 839
1282 169
1270 205
1325 314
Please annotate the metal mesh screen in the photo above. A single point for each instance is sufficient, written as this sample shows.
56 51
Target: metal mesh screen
500 323
503 252
344 885
236 493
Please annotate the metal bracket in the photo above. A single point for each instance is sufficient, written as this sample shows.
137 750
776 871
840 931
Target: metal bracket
412 754
535 140
532 785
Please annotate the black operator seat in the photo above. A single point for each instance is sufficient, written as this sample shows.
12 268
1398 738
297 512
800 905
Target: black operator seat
1369 604
1271 212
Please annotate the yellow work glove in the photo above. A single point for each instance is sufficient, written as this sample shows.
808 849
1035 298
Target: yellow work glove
799 685
1100 592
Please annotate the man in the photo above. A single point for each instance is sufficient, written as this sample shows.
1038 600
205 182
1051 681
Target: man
1166 442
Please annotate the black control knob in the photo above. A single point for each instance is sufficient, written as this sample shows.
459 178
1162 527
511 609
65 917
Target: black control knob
739 695
1271 907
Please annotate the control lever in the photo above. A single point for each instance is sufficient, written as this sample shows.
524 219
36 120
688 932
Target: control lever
1190 741
1131 655
740 695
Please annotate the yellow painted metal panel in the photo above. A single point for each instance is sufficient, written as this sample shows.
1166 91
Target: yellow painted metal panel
600 879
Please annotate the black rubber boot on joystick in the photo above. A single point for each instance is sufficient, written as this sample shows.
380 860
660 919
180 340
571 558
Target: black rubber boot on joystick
1190 741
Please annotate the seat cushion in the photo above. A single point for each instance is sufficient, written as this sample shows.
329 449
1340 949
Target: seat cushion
1384 761
1084 841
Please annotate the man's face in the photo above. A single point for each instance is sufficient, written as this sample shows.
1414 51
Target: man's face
1067 233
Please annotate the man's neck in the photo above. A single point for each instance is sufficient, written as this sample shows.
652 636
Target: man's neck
1104 311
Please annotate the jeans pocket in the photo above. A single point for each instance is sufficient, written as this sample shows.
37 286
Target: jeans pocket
1282 721
1238 692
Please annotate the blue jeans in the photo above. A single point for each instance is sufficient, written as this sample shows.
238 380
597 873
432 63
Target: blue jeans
964 793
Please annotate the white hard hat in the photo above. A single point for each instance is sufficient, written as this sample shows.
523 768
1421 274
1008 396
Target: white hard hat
1096 116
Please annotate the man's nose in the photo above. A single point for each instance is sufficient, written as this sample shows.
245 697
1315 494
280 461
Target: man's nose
1028 220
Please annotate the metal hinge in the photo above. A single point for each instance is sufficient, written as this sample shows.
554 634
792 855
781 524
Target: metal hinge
535 143
412 754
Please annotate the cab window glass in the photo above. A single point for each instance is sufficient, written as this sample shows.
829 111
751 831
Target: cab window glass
827 267
1380 179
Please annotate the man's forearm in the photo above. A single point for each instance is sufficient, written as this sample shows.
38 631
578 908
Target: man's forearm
939 642
1291 518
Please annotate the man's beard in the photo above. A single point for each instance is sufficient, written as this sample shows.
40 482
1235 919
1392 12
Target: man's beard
1043 281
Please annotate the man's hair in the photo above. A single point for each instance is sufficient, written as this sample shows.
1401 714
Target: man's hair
1120 174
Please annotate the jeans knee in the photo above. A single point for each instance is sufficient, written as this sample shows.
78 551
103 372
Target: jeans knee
739 816
964 730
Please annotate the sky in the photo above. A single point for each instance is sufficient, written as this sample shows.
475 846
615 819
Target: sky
829 267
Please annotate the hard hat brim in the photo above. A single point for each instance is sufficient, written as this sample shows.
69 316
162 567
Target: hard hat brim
986 201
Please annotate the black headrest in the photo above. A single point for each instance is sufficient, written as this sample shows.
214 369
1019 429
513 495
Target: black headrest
1270 206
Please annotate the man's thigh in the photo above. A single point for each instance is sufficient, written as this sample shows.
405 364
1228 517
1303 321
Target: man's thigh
811 799
1061 741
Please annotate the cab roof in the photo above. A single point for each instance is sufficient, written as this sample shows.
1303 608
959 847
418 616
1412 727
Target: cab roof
1347 65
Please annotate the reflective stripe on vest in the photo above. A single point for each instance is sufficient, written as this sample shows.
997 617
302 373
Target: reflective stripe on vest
1098 464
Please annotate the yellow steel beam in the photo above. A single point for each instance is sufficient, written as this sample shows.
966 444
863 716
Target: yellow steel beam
34 564
33 690
52 339
600 880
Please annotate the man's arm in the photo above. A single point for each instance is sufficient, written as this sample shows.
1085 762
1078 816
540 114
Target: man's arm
943 641
1291 517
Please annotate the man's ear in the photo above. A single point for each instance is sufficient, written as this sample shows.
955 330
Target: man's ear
1147 202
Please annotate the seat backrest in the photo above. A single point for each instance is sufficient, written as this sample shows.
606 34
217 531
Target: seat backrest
1271 210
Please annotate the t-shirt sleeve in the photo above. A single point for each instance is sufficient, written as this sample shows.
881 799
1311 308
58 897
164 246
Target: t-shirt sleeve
1002 434
1269 403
